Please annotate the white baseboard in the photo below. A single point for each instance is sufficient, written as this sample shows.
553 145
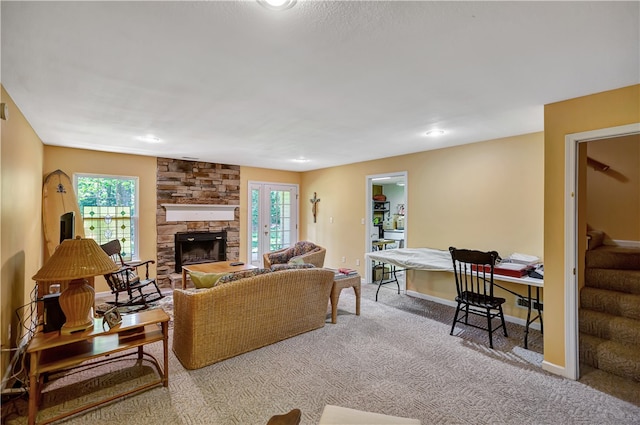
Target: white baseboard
555 369
450 303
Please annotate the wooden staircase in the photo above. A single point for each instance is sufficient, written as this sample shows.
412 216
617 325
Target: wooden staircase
609 315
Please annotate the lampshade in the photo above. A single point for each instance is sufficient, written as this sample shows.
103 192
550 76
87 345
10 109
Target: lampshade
75 259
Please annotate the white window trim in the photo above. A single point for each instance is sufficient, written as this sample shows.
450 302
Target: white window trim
135 217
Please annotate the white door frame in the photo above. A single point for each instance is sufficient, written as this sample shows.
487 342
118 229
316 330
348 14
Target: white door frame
572 364
295 233
369 214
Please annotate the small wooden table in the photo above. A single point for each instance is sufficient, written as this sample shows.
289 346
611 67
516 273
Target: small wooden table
50 352
217 267
339 284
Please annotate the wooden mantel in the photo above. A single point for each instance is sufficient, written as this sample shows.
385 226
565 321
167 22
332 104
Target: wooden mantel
199 212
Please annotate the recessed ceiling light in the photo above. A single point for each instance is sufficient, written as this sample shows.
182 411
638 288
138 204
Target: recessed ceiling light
434 133
277 4
149 138
301 159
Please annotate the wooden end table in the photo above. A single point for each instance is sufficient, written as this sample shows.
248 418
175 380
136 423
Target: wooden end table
339 284
51 352
216 267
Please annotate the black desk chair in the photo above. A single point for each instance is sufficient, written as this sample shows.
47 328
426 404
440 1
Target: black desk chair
473 272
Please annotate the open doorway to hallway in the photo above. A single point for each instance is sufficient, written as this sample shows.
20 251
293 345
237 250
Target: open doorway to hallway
387 216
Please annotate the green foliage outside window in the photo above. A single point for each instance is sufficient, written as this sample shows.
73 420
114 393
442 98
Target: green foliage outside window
107 205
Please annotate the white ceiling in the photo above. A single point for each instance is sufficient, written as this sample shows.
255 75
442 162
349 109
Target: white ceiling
333 82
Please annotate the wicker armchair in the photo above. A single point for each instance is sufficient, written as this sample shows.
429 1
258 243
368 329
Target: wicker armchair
302 251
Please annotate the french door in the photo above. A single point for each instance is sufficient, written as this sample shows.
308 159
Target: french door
273 218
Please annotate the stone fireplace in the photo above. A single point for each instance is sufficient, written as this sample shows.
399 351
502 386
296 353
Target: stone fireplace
194 198
199 247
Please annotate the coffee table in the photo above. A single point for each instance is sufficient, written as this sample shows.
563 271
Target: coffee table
216 267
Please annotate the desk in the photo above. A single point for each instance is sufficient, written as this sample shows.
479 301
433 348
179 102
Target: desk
429 259
531 302
215 267
51 352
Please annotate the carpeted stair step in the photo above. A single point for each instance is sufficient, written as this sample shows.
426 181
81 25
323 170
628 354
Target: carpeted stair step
607 326
610 356
612 302
613 257
616 280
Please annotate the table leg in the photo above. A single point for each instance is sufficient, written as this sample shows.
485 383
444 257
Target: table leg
335 296
184 278
33 389
539 309
357 290
526 328
165 345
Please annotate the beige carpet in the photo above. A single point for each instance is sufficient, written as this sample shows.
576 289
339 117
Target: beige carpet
387 360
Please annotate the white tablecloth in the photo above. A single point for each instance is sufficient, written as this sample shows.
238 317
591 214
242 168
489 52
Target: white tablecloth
415 258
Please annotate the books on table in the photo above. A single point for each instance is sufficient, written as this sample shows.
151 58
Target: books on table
343 272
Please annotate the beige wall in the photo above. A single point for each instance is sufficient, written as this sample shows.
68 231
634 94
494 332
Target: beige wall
613 196
144 167
597 111
20 218
484 196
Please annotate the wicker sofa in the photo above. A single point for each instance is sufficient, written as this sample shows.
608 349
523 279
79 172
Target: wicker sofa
215 324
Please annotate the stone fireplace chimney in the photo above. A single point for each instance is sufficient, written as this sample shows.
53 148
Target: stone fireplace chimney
195 197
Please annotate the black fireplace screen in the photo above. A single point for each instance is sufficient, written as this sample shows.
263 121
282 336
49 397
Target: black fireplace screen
200 247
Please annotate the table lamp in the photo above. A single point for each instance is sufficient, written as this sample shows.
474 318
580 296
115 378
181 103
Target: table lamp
74 260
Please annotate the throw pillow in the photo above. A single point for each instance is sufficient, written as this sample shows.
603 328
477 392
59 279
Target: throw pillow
296 260
281 257
205 280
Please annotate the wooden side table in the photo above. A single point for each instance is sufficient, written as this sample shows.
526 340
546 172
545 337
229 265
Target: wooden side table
50 352
339 284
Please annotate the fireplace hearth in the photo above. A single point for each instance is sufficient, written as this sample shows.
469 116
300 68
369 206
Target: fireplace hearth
199 247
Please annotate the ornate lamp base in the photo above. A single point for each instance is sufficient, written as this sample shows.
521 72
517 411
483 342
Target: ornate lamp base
76 302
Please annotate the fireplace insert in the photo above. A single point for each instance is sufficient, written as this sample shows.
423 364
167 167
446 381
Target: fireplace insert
200 247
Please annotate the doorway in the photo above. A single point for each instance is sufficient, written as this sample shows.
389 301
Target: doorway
387 217
575 237
273 218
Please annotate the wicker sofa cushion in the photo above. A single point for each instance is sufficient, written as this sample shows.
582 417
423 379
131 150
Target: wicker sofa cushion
281 257
232 277
205 280
304 247
289 266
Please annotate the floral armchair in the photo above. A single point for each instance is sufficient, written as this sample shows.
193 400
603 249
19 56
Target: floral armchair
302 252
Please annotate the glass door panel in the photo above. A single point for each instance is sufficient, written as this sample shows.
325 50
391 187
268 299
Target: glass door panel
273 221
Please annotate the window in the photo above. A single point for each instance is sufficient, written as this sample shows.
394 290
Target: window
108 205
